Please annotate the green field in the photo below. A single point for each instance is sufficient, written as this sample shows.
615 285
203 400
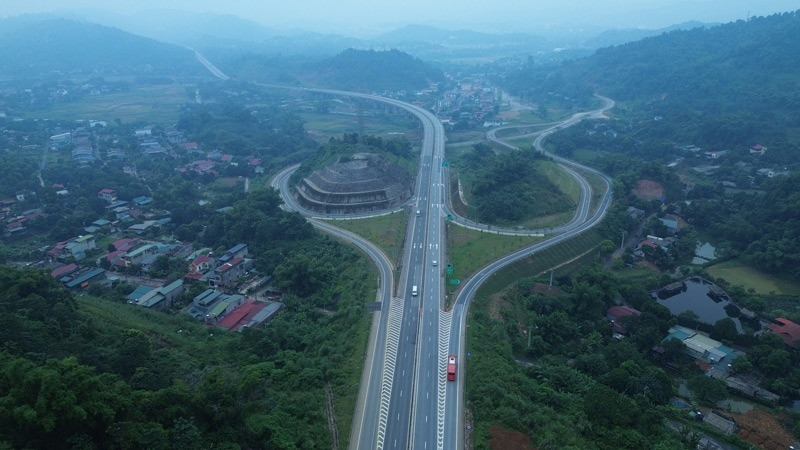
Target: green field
141 104
323 126
736 272
469 250
387 232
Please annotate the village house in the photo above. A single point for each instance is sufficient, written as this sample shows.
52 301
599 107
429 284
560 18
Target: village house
138 255
237 251
724 424
250 314
228 272
156 298
108 195
616 316
699 346
786 330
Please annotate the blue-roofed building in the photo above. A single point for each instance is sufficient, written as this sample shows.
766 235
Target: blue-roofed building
159 298
85 277
237 251
680 333
672 225
143 200
136 295
700 346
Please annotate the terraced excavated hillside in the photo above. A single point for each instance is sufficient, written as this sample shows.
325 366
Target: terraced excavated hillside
358 183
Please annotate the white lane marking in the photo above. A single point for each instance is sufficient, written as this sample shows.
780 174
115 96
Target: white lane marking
387 377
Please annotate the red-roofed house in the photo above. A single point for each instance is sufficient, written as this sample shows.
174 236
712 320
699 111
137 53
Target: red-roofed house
758 149
615 315
125 244
196 276
57 251
787 330
236 318
201 264
115 258
109 195
190 145
59 272
231 271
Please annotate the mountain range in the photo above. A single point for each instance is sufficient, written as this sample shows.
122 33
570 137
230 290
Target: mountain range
41 45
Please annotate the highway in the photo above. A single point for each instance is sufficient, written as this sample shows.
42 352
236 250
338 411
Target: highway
402 392
454 419
405 400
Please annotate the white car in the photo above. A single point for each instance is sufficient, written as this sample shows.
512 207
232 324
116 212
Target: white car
434 262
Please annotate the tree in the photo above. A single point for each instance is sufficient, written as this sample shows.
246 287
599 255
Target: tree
725 329
673 349
708 389
741 364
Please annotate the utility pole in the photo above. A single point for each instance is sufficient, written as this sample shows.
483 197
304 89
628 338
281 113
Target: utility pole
622 243
551 281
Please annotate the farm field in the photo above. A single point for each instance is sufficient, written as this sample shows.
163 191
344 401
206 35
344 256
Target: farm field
736 272
141 104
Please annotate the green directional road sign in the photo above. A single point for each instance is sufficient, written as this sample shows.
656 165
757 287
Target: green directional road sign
455 281
449 269
450 217
445 163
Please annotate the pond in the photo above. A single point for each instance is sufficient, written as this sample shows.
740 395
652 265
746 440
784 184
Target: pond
702 297
703 253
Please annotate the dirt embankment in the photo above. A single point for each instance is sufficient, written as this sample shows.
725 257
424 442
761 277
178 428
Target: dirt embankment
504 439
648 190
763 430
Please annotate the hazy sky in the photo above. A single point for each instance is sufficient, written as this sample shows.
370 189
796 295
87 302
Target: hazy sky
486 15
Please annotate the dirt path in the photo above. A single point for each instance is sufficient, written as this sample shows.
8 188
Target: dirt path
331 417
569 261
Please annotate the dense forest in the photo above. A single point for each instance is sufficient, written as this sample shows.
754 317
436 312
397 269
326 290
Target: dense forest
507 187
371 70
714 87
267 132
351 69
762 227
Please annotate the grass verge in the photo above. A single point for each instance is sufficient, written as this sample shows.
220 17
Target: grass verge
469 250
387 232
564 258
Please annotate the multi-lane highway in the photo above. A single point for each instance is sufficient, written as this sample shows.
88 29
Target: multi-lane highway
405 399
402 393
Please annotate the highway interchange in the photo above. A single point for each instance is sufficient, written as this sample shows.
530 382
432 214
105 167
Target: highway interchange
405 400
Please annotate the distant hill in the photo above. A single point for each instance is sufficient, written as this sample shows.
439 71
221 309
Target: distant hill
39 45
370 70
743 64
625 35
424 33
440 44
180 27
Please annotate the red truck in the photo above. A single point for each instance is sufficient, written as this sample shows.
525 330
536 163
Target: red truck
451 368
